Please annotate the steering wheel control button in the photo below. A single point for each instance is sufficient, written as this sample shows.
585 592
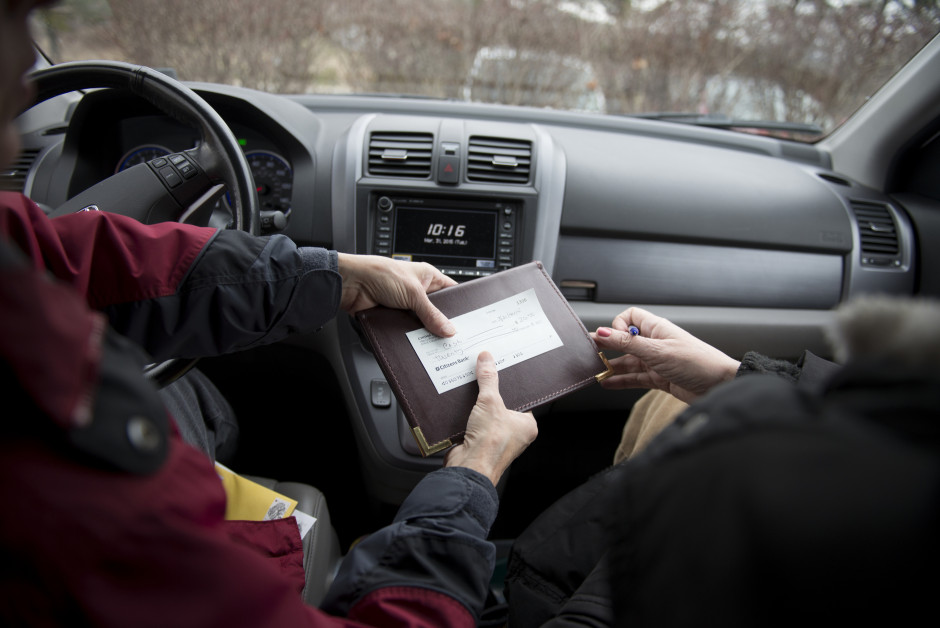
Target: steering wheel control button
381 393
173 169
169 175
187 170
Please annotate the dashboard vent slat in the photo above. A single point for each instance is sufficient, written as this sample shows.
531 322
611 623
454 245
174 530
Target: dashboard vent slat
401 155
13 178
878 233
499 160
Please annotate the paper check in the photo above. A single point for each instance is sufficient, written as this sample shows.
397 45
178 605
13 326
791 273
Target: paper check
513 330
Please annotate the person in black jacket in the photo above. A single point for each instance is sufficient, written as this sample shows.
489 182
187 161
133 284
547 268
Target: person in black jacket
784 494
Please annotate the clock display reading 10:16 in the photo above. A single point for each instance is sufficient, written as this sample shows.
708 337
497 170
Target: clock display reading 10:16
439 229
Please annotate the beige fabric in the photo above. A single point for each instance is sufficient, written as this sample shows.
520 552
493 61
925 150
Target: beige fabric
649 416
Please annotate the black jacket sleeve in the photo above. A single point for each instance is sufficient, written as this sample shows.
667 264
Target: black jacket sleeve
437 542
242 291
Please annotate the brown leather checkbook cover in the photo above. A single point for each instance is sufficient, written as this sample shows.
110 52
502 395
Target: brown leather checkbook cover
437 420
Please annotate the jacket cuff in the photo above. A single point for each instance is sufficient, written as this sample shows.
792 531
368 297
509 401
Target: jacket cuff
437 542
479 499
755 363
810 371
318 259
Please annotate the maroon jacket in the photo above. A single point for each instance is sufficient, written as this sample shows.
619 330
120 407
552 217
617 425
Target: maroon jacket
103 529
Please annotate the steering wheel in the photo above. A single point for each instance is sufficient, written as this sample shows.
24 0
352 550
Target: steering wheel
183 186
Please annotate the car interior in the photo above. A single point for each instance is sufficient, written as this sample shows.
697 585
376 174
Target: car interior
747 240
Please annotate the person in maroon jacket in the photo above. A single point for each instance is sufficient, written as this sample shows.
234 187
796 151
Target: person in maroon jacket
108 517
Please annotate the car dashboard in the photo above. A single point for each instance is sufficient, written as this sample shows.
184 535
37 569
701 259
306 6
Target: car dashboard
746 241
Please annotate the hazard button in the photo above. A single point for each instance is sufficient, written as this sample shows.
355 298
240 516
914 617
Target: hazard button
448 169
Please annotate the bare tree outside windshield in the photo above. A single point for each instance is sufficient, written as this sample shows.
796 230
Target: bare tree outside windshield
811 61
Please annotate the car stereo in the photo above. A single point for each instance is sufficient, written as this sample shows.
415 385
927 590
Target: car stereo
463 238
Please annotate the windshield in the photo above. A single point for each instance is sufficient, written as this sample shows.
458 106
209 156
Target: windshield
721 62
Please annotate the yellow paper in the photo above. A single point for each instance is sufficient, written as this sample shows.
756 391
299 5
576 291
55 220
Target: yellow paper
249 501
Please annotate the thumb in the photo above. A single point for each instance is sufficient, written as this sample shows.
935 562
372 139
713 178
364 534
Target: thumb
487 375
432 318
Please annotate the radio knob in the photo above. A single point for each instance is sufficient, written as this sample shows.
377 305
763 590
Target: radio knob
385 204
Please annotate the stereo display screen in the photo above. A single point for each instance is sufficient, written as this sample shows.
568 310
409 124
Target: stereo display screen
446 237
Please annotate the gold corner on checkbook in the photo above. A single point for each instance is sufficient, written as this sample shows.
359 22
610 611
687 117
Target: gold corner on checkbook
426 449
610 370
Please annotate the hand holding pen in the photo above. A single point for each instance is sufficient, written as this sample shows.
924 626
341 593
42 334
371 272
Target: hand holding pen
660 355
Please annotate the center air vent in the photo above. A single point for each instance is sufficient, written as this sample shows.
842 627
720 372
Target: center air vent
13 179
497 160
401 155
878 234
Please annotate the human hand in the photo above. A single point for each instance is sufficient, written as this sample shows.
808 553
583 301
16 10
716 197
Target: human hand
370 280
662 356
495 435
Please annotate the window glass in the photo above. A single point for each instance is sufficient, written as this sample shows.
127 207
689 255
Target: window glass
800 61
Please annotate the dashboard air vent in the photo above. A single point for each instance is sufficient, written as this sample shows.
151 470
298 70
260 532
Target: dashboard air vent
13 178
497 160
878 233
401 155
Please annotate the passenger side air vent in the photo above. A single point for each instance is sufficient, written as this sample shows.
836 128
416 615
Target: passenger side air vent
401 155
13 179
497 160
878 234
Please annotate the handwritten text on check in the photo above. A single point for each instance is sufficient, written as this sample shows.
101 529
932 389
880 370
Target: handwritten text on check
513 330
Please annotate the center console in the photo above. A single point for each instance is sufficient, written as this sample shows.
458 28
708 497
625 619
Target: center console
417 201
